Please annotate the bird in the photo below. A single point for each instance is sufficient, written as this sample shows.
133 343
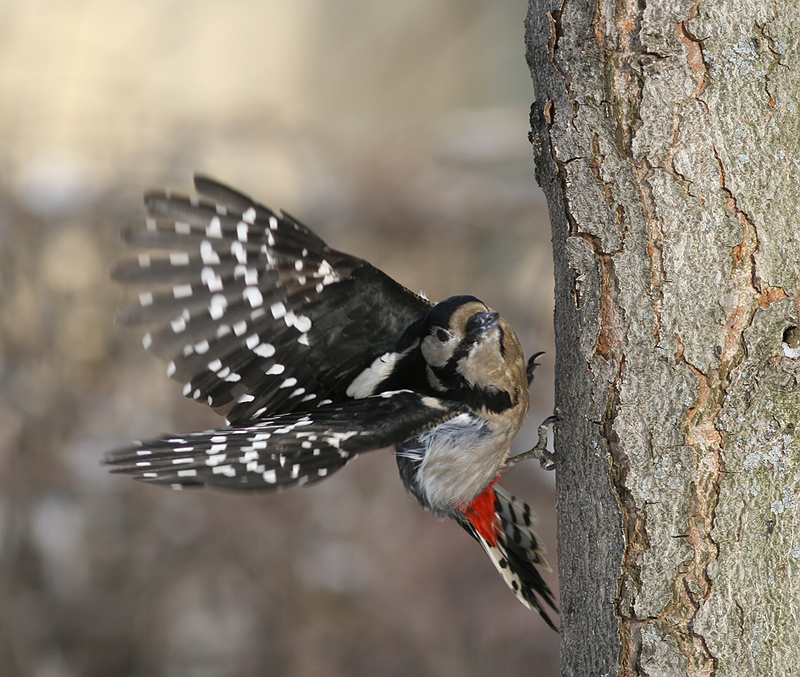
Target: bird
314 356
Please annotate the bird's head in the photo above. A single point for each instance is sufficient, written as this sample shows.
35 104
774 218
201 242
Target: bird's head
469 349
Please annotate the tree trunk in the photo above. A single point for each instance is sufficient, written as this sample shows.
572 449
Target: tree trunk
667 141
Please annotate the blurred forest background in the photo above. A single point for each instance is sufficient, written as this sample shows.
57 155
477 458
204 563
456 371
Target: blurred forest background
397 131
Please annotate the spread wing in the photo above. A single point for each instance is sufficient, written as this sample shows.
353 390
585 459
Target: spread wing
253 312
284 449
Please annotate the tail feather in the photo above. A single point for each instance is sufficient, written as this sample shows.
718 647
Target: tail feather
513 546
516 520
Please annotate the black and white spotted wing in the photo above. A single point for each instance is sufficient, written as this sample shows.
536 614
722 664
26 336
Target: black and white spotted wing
253 312
285 449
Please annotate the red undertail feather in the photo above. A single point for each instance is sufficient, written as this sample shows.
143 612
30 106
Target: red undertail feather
482 514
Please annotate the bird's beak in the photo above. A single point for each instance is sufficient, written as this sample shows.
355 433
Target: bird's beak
482 323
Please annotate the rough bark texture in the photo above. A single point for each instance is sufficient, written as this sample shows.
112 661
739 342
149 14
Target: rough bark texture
667 140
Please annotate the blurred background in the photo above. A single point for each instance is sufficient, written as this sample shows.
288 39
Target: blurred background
398 131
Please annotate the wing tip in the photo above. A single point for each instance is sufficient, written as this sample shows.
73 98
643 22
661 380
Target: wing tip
204 182
223 194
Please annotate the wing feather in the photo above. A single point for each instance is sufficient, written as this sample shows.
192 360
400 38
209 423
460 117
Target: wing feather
283 449
252 311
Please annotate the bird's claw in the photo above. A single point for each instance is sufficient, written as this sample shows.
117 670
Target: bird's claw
547 458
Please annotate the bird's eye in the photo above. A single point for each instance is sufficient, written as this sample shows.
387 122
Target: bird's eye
442 335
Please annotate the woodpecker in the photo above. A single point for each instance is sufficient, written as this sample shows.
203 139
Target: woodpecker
315 356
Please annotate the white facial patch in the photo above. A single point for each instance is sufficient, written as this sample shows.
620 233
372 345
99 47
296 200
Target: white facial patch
436 352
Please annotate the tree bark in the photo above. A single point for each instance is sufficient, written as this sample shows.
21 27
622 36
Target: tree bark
667 140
